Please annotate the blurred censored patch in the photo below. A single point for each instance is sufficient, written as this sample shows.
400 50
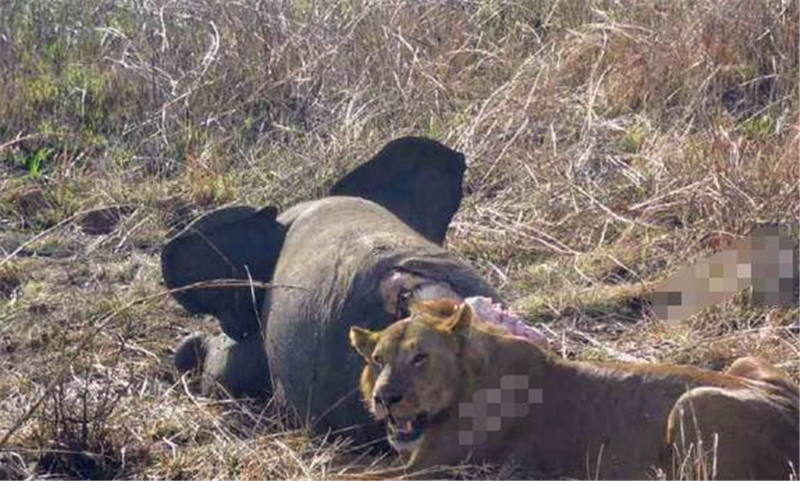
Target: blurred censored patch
765 259
489 409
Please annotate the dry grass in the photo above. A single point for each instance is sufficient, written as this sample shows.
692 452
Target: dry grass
609 144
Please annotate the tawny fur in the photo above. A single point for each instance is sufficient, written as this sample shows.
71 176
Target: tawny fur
595 420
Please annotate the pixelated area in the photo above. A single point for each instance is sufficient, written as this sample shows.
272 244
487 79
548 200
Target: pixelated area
765 259
490 408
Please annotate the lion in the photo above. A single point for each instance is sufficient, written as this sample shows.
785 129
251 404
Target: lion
453 389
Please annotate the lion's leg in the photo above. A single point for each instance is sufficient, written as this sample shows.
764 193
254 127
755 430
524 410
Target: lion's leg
760 370
434 459
402 472
716 433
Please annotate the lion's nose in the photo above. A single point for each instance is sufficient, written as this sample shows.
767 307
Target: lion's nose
387 399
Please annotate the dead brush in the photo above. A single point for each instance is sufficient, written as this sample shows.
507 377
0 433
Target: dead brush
609 144
75 430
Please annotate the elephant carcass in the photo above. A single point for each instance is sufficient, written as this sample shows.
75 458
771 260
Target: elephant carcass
352 258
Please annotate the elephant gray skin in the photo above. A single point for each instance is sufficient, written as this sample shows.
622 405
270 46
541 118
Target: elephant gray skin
353 258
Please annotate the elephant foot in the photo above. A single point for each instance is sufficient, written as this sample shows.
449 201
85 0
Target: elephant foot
191 353
226 367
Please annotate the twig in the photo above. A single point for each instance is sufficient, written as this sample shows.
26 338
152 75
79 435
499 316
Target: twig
41 235
11 143
66 361
608 349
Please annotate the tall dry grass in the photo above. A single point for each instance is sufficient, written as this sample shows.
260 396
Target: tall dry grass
609 144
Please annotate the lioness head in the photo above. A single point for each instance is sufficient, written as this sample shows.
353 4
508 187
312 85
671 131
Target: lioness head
413 367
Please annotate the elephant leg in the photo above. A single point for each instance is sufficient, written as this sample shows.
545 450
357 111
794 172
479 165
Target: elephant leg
225 366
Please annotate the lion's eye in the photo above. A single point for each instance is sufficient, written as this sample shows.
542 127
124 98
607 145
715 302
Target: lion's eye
377 360
419 359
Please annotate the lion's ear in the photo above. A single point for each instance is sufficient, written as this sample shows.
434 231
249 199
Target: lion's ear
441 308
363 341
461 320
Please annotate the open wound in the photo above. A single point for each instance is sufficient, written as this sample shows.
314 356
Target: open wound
494 313
401 289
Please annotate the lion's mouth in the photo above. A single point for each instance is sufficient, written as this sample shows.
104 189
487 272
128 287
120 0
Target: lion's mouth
403 431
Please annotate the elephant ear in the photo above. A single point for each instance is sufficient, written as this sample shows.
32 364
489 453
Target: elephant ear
417 179
239 243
